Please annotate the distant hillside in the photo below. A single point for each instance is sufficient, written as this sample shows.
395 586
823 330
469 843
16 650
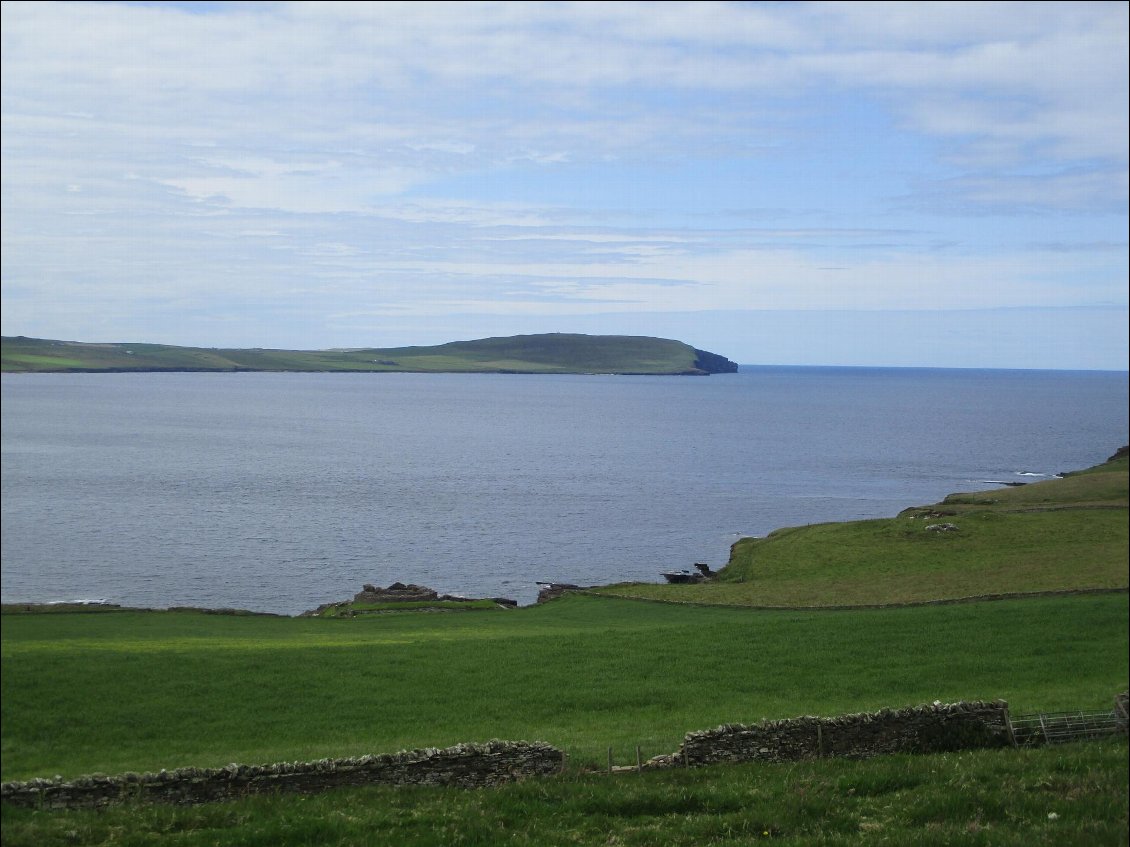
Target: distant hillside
549 353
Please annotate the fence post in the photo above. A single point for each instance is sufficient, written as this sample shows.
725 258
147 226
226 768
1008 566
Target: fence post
610 760
639 761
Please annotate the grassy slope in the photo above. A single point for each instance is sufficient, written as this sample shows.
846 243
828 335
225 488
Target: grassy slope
550 353
1061 534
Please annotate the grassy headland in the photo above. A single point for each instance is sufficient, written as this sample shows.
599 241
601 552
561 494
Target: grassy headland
1062 534
547 353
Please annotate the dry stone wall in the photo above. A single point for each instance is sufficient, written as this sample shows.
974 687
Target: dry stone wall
933 728
465 765
922 729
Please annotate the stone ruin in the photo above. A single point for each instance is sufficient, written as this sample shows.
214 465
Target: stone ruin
398 592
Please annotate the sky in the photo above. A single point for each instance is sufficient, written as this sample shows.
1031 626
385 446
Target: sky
874 184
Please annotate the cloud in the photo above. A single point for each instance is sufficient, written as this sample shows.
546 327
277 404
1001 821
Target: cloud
1064 191
329 70
531 158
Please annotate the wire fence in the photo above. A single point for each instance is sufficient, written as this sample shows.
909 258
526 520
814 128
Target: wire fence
620 757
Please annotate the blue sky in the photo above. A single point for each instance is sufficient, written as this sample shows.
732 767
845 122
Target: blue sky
918 184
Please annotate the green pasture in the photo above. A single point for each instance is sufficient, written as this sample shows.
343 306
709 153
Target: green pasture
148 690
1104 485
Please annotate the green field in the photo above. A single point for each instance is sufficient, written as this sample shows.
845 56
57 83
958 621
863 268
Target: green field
547 353
135 690
145 691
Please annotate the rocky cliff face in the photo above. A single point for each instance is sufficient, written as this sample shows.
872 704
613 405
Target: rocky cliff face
712 363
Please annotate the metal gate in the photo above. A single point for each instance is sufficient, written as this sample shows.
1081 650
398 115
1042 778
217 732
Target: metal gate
1061 727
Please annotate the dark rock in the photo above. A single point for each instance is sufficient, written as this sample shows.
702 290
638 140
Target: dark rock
552 590
682 577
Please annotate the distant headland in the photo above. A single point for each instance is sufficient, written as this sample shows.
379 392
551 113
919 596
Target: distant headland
550 353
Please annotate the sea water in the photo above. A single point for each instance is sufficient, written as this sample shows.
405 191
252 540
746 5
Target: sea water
278 492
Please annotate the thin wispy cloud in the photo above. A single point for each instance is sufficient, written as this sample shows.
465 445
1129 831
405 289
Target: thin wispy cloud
345 174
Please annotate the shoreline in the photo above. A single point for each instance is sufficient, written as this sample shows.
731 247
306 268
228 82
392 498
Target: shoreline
109 608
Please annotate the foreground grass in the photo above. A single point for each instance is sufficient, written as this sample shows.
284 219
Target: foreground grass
1070 795
144 691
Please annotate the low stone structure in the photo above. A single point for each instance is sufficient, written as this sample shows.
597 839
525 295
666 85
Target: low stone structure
465 766
398 592
923 729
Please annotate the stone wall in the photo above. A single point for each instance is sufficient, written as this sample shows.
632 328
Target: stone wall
465 765
922 729
933 728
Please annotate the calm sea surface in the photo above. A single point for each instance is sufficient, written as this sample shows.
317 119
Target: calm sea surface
278 492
